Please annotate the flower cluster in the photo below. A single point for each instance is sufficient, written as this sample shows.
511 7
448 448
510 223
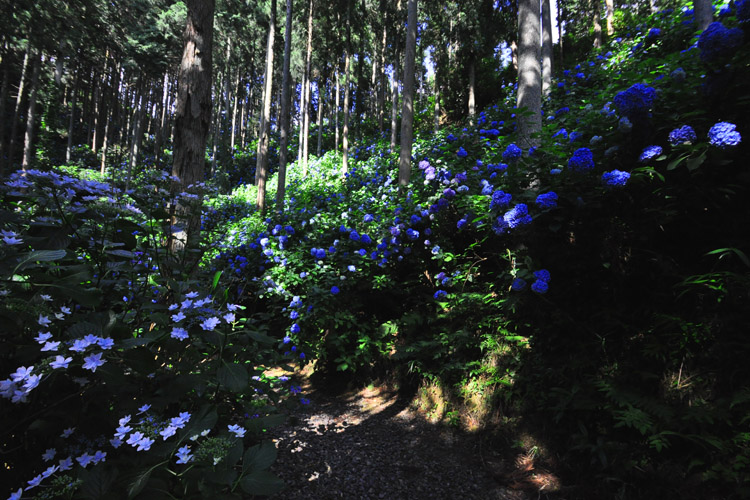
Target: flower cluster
500 199
517 216
615 178
541 285
582 160
682 135
635 102
547 200
724 135
650 153
512 153
717 40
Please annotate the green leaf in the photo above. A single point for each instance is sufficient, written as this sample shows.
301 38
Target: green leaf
233 376
138 483
694 163
259 457
215 281
39 256
262 483
96 483
676 162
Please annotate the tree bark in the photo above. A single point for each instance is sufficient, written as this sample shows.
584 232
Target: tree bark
285 105
704 13
407 114
234 111
336 106
17 110
321 93
71 120
192 112
394 104
345 138
472 102
610 17
597 24
436 127
28 140
261 166
3 98
382 91
529 74
547 46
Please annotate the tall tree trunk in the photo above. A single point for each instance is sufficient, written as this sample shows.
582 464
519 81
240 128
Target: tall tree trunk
17 110
436 127
407 113
28 140
560 33
261 167
305 109
285 105
135 142
3 98
394 104
320 117
215 131
336 106
234 111
547 46
345 132
597 24
610 17
160 130
71 119
381 76
472 101
704 13
109 117
529 73
192 113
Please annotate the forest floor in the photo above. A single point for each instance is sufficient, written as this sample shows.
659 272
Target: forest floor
374 443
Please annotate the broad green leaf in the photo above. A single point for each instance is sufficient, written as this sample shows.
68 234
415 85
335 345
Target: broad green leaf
39 256
233 376
97 482
262 483
259 457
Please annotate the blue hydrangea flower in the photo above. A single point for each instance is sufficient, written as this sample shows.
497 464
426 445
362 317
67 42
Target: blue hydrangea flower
451 138
562 111
615 178
562 132
678 75
461 223
518 284
440 294
718 40
543 275
517 216
512 153
654 33
724 135
547 200
682 135
540 286
369 218
335 290
650 153
582 160
636 101
412 234
461 153
500 199
449 193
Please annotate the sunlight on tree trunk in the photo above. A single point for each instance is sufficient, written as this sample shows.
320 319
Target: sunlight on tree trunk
407 113
610 17
17 111
261 167
529 74
192 113
704 13
285 101
345 134
547 47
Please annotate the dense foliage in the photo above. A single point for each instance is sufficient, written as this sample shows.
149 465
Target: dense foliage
590 293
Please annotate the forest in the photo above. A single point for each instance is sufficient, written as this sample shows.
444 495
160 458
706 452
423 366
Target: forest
524 219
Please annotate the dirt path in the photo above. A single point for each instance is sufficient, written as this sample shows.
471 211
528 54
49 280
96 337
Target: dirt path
369 444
